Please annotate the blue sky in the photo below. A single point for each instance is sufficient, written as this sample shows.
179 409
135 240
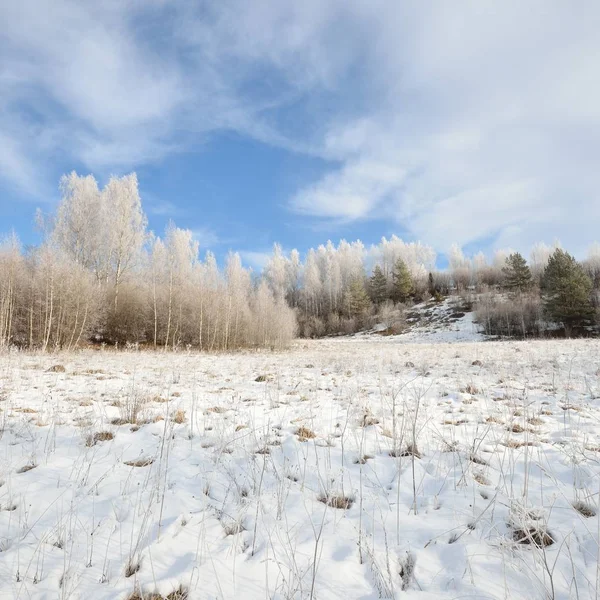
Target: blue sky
268 121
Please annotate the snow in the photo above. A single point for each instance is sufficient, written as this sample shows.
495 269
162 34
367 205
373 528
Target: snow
230 504
433 323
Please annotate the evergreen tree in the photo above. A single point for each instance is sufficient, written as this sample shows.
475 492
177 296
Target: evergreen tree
403 286
378 285
357 299
517 276
567 291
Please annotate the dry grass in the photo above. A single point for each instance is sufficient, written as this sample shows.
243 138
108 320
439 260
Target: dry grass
517 443
337 501
494 419
179 416
217 409
305 434
26 468
584 509
232 528
56 369
132 567
470 389
368 420
534 535
408 450
478 460
99 436
140 462
455 422
516 428
181 593
363 459
480 478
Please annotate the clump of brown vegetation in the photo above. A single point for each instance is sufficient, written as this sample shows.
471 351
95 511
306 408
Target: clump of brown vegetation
179 416
337 501
470 389
56 369
585 509
232 528
368 420
362 460
409 450
480 478
132 567
536 535
99 436
140 462
494 419
181 593
518 443
478 460
26 468
216 409
305 434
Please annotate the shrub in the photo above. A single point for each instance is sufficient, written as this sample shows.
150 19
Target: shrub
519 317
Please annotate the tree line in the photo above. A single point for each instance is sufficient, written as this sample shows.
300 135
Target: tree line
99 276
346 288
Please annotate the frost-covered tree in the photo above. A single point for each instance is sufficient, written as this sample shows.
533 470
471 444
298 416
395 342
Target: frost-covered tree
460 267
126 224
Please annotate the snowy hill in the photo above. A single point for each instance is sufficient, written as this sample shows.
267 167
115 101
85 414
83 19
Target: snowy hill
449 321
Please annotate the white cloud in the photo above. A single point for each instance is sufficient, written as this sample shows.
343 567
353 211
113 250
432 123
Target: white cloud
256 259
206 237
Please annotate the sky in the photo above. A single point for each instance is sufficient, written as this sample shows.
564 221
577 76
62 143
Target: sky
268 121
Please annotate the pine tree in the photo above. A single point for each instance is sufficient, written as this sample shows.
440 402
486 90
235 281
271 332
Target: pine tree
567 291
403 286
378 285
517 276
357 299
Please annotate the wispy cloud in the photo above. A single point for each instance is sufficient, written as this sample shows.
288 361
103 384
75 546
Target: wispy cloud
458 122
206 238
256 259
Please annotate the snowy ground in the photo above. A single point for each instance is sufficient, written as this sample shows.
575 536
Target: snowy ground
465 470
433 323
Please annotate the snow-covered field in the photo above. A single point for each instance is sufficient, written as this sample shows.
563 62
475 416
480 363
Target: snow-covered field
340 469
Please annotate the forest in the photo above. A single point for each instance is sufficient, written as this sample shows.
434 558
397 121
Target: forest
100 276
